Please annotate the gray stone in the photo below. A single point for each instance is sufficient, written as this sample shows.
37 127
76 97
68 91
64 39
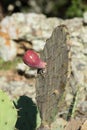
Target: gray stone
85 17
31 73
83 35
21 67
38 45
17 88
8 49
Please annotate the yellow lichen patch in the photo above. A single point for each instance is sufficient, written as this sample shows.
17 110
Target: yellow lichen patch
6 36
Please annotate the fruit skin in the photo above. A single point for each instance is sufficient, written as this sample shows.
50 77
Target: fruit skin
8 112
32 59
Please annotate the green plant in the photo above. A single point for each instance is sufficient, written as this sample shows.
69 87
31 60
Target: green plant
8 112
23 114
9 64
76 8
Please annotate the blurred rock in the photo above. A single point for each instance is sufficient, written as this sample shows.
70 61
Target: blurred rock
25 45
74 25
31 73
17 88
73 124
84 126
21 67
22 47
58 124
20 51
28 26
8 49
26 70
85 17
83 106
38 45
8 26
68 98
83 35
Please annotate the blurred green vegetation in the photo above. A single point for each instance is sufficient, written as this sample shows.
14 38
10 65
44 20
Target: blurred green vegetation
77 8
58 8
9 64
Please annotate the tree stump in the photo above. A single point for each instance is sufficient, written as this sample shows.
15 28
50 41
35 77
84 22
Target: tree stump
50 86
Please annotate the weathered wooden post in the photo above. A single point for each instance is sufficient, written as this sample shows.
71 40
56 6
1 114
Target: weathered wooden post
51 85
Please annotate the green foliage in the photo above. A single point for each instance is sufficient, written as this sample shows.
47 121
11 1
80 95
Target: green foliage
8 113
59 8
76 8
73 107
22 115
9 64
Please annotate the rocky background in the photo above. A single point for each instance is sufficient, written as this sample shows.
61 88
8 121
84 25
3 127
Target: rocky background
21 32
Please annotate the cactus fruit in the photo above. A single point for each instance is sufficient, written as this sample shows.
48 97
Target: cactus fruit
8 112
32 59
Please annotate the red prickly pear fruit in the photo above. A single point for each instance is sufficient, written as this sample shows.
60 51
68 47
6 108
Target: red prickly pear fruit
32 59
